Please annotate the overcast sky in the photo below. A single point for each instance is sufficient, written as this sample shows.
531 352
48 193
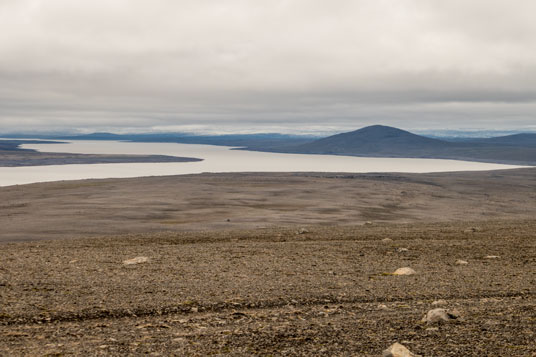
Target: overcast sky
266 65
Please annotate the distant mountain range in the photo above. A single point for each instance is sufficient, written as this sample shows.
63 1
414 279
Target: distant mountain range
371 141
385 141
253 141
525 139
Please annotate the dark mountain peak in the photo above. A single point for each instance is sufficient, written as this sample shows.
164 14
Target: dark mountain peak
378 127
378 131
373 140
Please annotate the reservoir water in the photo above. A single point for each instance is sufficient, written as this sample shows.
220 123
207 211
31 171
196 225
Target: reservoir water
215 159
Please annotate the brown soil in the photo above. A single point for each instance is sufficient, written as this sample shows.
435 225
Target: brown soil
271 290
274 292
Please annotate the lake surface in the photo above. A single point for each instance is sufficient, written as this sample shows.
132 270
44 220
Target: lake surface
216 159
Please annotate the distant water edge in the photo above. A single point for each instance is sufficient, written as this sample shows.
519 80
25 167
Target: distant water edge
216 159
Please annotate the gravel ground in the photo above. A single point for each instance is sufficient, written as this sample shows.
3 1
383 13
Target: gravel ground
238 201
322 290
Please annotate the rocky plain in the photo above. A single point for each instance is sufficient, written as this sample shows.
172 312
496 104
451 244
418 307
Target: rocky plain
305 264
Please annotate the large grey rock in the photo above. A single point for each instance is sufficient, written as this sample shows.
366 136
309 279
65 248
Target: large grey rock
404 271
439 315
398 350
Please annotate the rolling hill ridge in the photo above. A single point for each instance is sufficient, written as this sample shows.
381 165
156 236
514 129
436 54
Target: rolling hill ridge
385 141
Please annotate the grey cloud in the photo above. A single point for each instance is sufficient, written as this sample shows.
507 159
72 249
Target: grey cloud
74 63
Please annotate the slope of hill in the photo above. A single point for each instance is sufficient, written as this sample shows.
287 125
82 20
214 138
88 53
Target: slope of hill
384 141
373 140
524 139
254 141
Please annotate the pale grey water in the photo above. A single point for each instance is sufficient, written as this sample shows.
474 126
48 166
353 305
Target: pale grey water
216 159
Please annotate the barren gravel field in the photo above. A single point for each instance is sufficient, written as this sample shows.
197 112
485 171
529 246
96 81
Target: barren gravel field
319 283
252 200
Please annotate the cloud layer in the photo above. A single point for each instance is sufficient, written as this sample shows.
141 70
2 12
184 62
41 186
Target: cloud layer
266 64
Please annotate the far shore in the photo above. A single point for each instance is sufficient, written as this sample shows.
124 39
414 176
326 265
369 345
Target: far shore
11 155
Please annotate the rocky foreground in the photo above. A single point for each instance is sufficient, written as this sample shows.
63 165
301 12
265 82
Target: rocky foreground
469 290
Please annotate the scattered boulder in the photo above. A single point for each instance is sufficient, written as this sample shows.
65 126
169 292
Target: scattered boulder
383 307
491 257
461 262
137 260
398 350
402 250
368 223
439 302
404 271
387 240
439 315
303 231
472 230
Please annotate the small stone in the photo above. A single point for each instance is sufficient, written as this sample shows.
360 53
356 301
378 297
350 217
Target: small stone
432 329
303 231
492 300
137 260
491 257
402 250
387 240
368 223
404 271
439 302
461 262
383 307
439 315
397 350
194 309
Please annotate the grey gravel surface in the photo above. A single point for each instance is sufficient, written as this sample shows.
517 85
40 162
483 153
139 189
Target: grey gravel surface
273 291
